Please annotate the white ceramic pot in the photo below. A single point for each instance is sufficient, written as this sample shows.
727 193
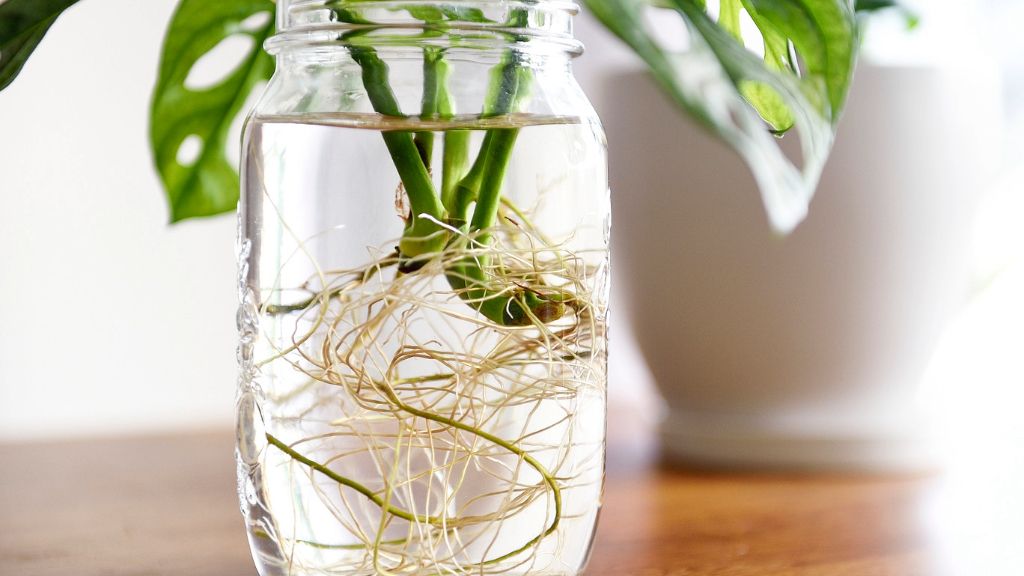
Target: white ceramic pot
806 350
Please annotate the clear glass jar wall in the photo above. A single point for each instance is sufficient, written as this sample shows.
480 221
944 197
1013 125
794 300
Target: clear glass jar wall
423 279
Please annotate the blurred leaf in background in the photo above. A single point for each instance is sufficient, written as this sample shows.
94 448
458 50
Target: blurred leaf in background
23 23
797 78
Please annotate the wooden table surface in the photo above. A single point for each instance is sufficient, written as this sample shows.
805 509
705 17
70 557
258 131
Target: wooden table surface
165 506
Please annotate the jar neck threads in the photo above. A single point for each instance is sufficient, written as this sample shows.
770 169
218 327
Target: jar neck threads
525 26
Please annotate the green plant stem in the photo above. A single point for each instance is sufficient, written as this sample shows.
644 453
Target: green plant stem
455 161
435 74
512 306
358 487
506 90
422 235
465 190
503 304
508 87
508 305
453 169
498 154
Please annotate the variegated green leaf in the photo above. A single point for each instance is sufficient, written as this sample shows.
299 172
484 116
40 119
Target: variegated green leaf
746 97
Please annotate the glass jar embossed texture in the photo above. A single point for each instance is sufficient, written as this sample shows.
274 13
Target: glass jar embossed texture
423 254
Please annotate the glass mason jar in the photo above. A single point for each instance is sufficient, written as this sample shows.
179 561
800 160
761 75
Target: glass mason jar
423 254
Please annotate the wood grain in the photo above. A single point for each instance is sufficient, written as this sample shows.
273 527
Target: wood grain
165 506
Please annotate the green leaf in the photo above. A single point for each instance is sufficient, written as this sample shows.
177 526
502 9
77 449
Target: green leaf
424 13
868 6
729 17
824 33
734 92
872 5
209 184
769 104
23 23
465 14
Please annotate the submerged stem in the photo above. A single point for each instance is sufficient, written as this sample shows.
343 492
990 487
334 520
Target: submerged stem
435 75
422 235
503 304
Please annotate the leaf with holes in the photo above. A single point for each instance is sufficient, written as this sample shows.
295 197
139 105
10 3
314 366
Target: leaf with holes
23 23
745 97
190 124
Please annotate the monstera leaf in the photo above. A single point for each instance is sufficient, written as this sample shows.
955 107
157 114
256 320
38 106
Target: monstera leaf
799 81
190 125
23 23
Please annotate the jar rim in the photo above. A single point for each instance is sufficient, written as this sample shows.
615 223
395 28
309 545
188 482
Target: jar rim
543 25
570 6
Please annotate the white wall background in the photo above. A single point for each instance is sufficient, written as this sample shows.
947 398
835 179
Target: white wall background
110 320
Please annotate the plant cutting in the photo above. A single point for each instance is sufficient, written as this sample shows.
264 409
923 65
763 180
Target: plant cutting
423 234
